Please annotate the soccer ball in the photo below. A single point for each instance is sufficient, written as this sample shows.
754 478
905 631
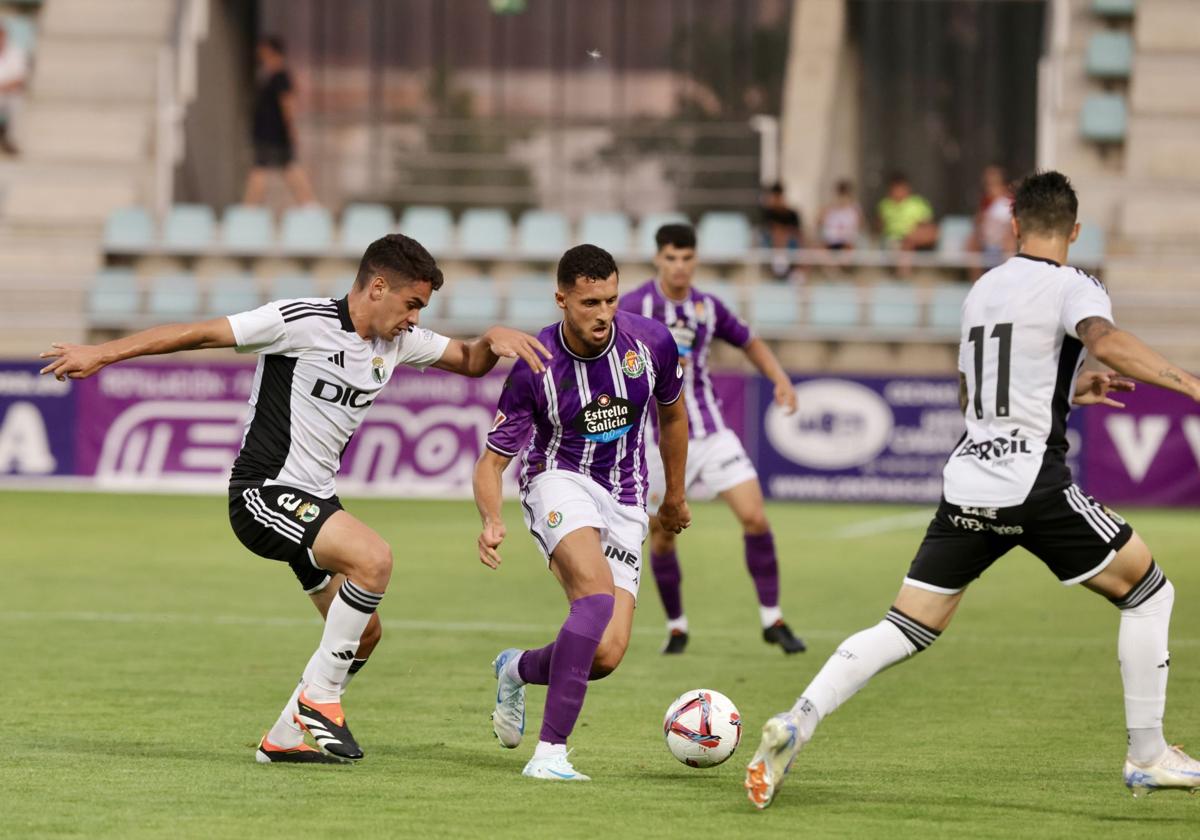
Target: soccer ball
702 728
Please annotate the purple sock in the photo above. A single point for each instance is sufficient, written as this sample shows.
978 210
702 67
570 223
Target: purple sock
760 561
571 662
668 576
534 665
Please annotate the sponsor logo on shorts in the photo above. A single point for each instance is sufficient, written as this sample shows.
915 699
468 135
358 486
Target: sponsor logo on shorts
378 373
633 365
554 519
308 512
606 419
985 512
629 558
966 523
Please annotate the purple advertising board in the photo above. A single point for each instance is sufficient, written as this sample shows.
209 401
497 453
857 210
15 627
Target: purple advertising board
37 423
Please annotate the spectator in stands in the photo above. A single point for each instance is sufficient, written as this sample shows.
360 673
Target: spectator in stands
841 220
906 222
275 127
993 236
14 68
782 229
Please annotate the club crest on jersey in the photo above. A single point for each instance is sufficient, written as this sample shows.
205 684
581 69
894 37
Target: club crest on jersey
308 512
554 519
606 419
499 421
377 370
633 365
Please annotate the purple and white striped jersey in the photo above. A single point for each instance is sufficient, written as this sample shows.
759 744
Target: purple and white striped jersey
589 415
694 323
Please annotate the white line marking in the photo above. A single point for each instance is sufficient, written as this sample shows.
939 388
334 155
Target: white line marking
884 525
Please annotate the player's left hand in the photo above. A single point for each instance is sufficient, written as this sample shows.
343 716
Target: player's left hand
76 361
785 396
674 516
1093 387
488 543
512 344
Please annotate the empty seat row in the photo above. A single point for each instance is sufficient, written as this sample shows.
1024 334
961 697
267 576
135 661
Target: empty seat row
481 233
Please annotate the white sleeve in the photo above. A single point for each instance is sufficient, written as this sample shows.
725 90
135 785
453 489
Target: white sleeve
420 348
1083 297
260 330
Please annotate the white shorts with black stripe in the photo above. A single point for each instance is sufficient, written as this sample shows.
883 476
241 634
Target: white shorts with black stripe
281 523
1068 530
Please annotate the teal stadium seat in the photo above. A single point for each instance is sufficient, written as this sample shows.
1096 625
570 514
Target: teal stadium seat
174 297
543 234
22 32
609 231
723 236
433 227
1114 8
189 228
290 286
945 308
531 302
247 229
774 307
1087 251
893 306
726 291
1110 55
649 226
233 293
953 235
306 230
833 305
472 302
362 224
484 232
114 299
1103 118
128 230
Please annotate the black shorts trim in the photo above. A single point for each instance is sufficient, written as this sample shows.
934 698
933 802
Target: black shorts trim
1069 531
281 523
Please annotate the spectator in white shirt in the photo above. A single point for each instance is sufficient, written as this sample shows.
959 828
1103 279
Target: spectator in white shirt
14 68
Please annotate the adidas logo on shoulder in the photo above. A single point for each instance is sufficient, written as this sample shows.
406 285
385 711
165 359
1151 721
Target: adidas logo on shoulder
338 358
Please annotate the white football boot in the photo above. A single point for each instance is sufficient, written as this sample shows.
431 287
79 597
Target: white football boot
781 741
1173 770
555 767
508 720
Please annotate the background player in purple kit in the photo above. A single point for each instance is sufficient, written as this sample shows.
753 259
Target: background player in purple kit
715 455
584 490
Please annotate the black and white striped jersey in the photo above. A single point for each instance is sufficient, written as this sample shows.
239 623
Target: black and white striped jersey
1020 355
316 378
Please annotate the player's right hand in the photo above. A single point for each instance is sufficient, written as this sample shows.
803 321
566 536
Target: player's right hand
76 361
674 516
489 540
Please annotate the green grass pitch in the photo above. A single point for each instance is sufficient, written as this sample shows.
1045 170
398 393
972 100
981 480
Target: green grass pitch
146 651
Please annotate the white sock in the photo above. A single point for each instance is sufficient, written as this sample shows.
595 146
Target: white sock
345 622
856 660
545 749
679 624
286 732
1145 661
769 615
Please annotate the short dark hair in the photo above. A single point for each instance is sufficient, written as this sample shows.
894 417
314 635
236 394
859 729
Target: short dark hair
776 188
676 234
588 261
844 186
404 258
1046 203
897 177
274 42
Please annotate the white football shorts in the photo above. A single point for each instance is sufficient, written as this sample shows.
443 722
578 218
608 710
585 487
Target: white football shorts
715 464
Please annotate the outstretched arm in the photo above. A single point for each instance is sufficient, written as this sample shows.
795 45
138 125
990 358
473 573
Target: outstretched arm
1125 353
488 499
475 358
761 357
673 513
79 361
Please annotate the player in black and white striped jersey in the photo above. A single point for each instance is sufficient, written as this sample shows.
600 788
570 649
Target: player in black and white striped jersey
321 364
1025 327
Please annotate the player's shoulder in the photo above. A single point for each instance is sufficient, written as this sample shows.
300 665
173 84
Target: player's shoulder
312 309
640 327
633 298
1077 276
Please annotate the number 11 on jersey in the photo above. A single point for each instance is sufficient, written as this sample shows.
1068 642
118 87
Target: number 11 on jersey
1002 332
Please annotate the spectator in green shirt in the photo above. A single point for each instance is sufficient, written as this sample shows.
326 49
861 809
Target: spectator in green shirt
905 218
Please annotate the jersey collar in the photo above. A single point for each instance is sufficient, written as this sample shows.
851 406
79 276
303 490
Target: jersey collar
612 339
1041 259
658 287
343 310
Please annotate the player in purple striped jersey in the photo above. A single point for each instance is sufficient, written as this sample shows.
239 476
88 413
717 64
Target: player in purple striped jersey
715 455
580 428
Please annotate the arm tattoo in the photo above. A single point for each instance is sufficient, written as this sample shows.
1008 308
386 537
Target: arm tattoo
1094 328
1171 376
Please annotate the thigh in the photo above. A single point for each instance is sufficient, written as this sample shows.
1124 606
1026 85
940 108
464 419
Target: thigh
1126 571
621 539
556 504
345 543
579 565
958 547
746 501
283 523
1073 534
726 464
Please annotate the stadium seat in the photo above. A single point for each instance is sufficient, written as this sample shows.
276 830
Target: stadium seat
726 291
1087 251
609 231
833 305
174 297
1114 8
306 230
472 302
22 32
362 224
484 232
247 229
1103 118
649 226
431 226
543 234
128 230
893 306
945 308
233 293
531 302
774 306
114 298
189 228
953 234
1110 55
723 236
289 286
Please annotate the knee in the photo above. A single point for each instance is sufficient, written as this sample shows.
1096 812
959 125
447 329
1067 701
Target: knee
755 524
661 541
376 563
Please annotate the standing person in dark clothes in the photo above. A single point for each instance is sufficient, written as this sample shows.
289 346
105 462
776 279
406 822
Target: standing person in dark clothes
275 128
